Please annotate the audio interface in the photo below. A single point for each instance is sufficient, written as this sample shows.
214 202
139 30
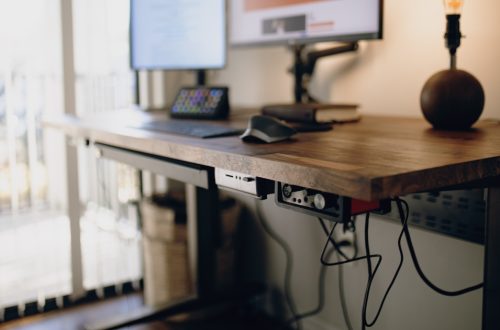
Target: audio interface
325 205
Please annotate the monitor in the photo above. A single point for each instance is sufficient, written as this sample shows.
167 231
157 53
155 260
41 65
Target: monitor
177 34
304 21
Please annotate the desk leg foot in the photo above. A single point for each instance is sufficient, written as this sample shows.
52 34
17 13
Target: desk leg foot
491 292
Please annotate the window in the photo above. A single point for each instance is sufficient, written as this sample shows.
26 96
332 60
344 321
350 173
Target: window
34 229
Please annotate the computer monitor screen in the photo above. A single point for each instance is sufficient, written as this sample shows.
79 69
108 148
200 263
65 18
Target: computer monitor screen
177 34
304 21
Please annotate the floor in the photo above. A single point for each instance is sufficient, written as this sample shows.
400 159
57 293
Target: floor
75 319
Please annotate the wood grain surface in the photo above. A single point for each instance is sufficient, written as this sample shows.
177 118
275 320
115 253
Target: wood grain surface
376 158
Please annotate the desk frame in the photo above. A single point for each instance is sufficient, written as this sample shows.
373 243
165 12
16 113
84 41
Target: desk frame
491 290
203 226
205 194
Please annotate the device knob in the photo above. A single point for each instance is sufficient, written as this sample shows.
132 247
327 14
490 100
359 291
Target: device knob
288 190
321 202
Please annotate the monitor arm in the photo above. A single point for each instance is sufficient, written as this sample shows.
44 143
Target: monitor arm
304 66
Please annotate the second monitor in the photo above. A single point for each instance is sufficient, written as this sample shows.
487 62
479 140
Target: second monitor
177 34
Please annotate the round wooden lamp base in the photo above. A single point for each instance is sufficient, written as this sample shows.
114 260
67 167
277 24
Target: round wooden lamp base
452 100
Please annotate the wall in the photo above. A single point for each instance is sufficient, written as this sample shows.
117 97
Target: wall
385 77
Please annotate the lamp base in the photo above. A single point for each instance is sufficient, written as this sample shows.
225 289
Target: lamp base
452 100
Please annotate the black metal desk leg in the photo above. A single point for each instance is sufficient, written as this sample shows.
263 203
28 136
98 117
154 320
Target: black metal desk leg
205 217
491 292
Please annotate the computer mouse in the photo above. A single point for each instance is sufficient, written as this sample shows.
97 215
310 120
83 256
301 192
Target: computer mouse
266 129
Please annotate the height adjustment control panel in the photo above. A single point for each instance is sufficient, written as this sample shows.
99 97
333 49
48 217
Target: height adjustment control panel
324 205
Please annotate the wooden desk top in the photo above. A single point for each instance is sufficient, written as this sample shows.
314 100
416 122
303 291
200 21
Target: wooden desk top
376 158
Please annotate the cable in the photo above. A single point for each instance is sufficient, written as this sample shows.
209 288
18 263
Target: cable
330 238
367 245
321 281
289 262
404 220
340 254
370 279
321 294
326 263
343 302
414 259
365 323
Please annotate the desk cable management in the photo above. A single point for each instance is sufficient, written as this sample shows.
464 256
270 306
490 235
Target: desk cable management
296 317
337 247
372 271
403 210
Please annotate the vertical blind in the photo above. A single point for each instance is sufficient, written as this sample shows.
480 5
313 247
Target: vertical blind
34 227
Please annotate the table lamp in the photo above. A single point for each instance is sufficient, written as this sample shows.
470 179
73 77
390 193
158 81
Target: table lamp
452 99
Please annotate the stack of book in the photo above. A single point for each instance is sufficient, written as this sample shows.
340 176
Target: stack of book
313 113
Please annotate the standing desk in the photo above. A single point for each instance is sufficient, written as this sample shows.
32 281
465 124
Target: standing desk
376 158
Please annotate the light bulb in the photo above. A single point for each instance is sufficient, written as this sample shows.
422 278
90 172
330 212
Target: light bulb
453 7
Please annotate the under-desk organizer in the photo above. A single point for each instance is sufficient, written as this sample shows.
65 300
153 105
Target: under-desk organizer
457 213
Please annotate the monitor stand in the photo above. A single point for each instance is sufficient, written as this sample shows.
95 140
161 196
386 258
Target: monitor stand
201 77
305 63
303 69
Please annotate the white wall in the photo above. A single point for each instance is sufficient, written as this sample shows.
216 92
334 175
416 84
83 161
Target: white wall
385 77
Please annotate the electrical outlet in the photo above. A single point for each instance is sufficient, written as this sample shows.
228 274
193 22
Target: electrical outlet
346 238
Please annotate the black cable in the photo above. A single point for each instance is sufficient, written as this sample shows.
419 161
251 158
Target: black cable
330 238
343 302
404 220
321 294
370 279
414 259
289 262
367 245
322 279
341 254
343 262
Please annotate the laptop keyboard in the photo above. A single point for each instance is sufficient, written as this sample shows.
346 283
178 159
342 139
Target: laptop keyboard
189 128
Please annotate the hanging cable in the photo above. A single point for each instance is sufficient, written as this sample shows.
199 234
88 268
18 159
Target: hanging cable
332 240
340 254
321 294
414 258
343 302
289 263
366 323
367 245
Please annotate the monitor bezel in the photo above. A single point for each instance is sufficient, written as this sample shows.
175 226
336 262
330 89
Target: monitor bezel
187 68
311 40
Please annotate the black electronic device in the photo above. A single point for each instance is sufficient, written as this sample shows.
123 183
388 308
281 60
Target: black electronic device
325 205
201 103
